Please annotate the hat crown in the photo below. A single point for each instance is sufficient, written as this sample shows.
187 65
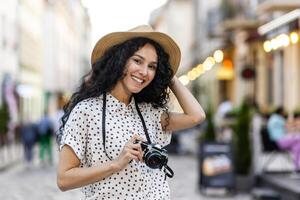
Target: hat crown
145 31
142 28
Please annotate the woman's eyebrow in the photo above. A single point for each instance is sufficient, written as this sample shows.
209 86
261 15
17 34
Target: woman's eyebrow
139 56
154 62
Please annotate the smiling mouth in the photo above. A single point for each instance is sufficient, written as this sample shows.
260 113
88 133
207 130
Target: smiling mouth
140 81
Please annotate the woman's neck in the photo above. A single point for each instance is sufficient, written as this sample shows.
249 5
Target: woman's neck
119 93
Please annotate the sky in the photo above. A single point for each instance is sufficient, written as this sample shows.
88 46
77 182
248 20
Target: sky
118 15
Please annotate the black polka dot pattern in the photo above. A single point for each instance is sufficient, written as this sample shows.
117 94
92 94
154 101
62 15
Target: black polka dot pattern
83 133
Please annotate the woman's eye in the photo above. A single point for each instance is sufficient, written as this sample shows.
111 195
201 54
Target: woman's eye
152 67
137 61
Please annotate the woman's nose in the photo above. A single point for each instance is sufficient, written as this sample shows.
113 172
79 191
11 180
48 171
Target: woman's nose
144 70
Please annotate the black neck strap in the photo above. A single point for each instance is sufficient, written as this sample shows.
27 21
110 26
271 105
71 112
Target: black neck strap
143 121
167 170
103 123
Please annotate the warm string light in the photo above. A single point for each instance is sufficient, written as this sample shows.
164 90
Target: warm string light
202 68
294 37
282 40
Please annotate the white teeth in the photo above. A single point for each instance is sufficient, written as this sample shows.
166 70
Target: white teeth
137 79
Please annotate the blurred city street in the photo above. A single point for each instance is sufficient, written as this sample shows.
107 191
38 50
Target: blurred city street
240 59
39 183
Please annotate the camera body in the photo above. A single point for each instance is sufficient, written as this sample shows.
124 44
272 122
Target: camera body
154 157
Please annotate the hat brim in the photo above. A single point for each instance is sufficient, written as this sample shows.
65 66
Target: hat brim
166 42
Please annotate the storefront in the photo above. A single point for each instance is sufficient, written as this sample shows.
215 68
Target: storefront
282 61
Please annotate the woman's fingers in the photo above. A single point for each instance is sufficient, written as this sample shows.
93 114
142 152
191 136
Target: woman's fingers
136 150
136 155
132 150
136 137
131 156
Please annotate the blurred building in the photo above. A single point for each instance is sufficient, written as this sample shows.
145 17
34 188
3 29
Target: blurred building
176 18
54 37
44 50
239 27
9 65
67 44
210 88
30 59
195 25
170 19
264 55
280 32
232 53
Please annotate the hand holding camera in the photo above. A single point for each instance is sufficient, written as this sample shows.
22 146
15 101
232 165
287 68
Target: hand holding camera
150 153
131 151
154 157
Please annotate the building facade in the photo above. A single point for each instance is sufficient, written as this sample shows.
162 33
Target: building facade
54 37
9 45
280 33
176 18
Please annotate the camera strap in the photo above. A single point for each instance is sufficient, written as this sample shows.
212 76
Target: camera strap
143 121
103 125
167 170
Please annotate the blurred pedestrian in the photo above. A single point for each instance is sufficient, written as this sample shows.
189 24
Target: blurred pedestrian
223 124
223 109
58 115
276 125
279 133
29 138
123 99
45 131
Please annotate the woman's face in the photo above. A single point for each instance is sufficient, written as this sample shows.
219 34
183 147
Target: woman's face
140 69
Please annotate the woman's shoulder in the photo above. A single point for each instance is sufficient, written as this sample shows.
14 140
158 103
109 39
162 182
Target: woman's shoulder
88 103
149 108
144 107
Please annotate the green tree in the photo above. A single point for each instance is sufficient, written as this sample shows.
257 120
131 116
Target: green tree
4 118
210 132
241 138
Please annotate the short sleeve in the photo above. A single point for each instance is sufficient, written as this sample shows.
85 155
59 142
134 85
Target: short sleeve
76 130
162 137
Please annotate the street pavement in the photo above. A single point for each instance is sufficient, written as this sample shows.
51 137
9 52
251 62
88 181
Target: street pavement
39 183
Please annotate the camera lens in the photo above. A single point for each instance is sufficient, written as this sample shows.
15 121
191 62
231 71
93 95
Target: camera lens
153 160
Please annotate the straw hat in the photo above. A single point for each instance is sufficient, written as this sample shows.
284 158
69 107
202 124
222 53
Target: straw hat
111 39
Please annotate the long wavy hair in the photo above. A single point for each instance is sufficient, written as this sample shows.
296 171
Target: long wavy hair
110 68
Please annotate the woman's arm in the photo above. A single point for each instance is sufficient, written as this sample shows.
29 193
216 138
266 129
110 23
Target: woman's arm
71 176
192 114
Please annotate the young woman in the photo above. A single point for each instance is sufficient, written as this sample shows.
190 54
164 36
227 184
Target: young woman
128 85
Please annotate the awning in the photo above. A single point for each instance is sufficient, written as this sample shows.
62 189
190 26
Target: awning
278 22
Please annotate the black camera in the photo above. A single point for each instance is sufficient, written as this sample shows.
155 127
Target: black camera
154 157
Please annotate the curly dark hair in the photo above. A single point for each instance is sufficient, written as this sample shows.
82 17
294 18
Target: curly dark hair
109 69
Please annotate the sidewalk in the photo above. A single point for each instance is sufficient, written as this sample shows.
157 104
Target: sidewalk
17 181
10 155
184 185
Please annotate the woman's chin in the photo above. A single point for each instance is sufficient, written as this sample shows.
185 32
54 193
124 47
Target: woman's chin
135 91
136 88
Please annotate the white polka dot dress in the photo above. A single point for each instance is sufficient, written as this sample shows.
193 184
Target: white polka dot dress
83 133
